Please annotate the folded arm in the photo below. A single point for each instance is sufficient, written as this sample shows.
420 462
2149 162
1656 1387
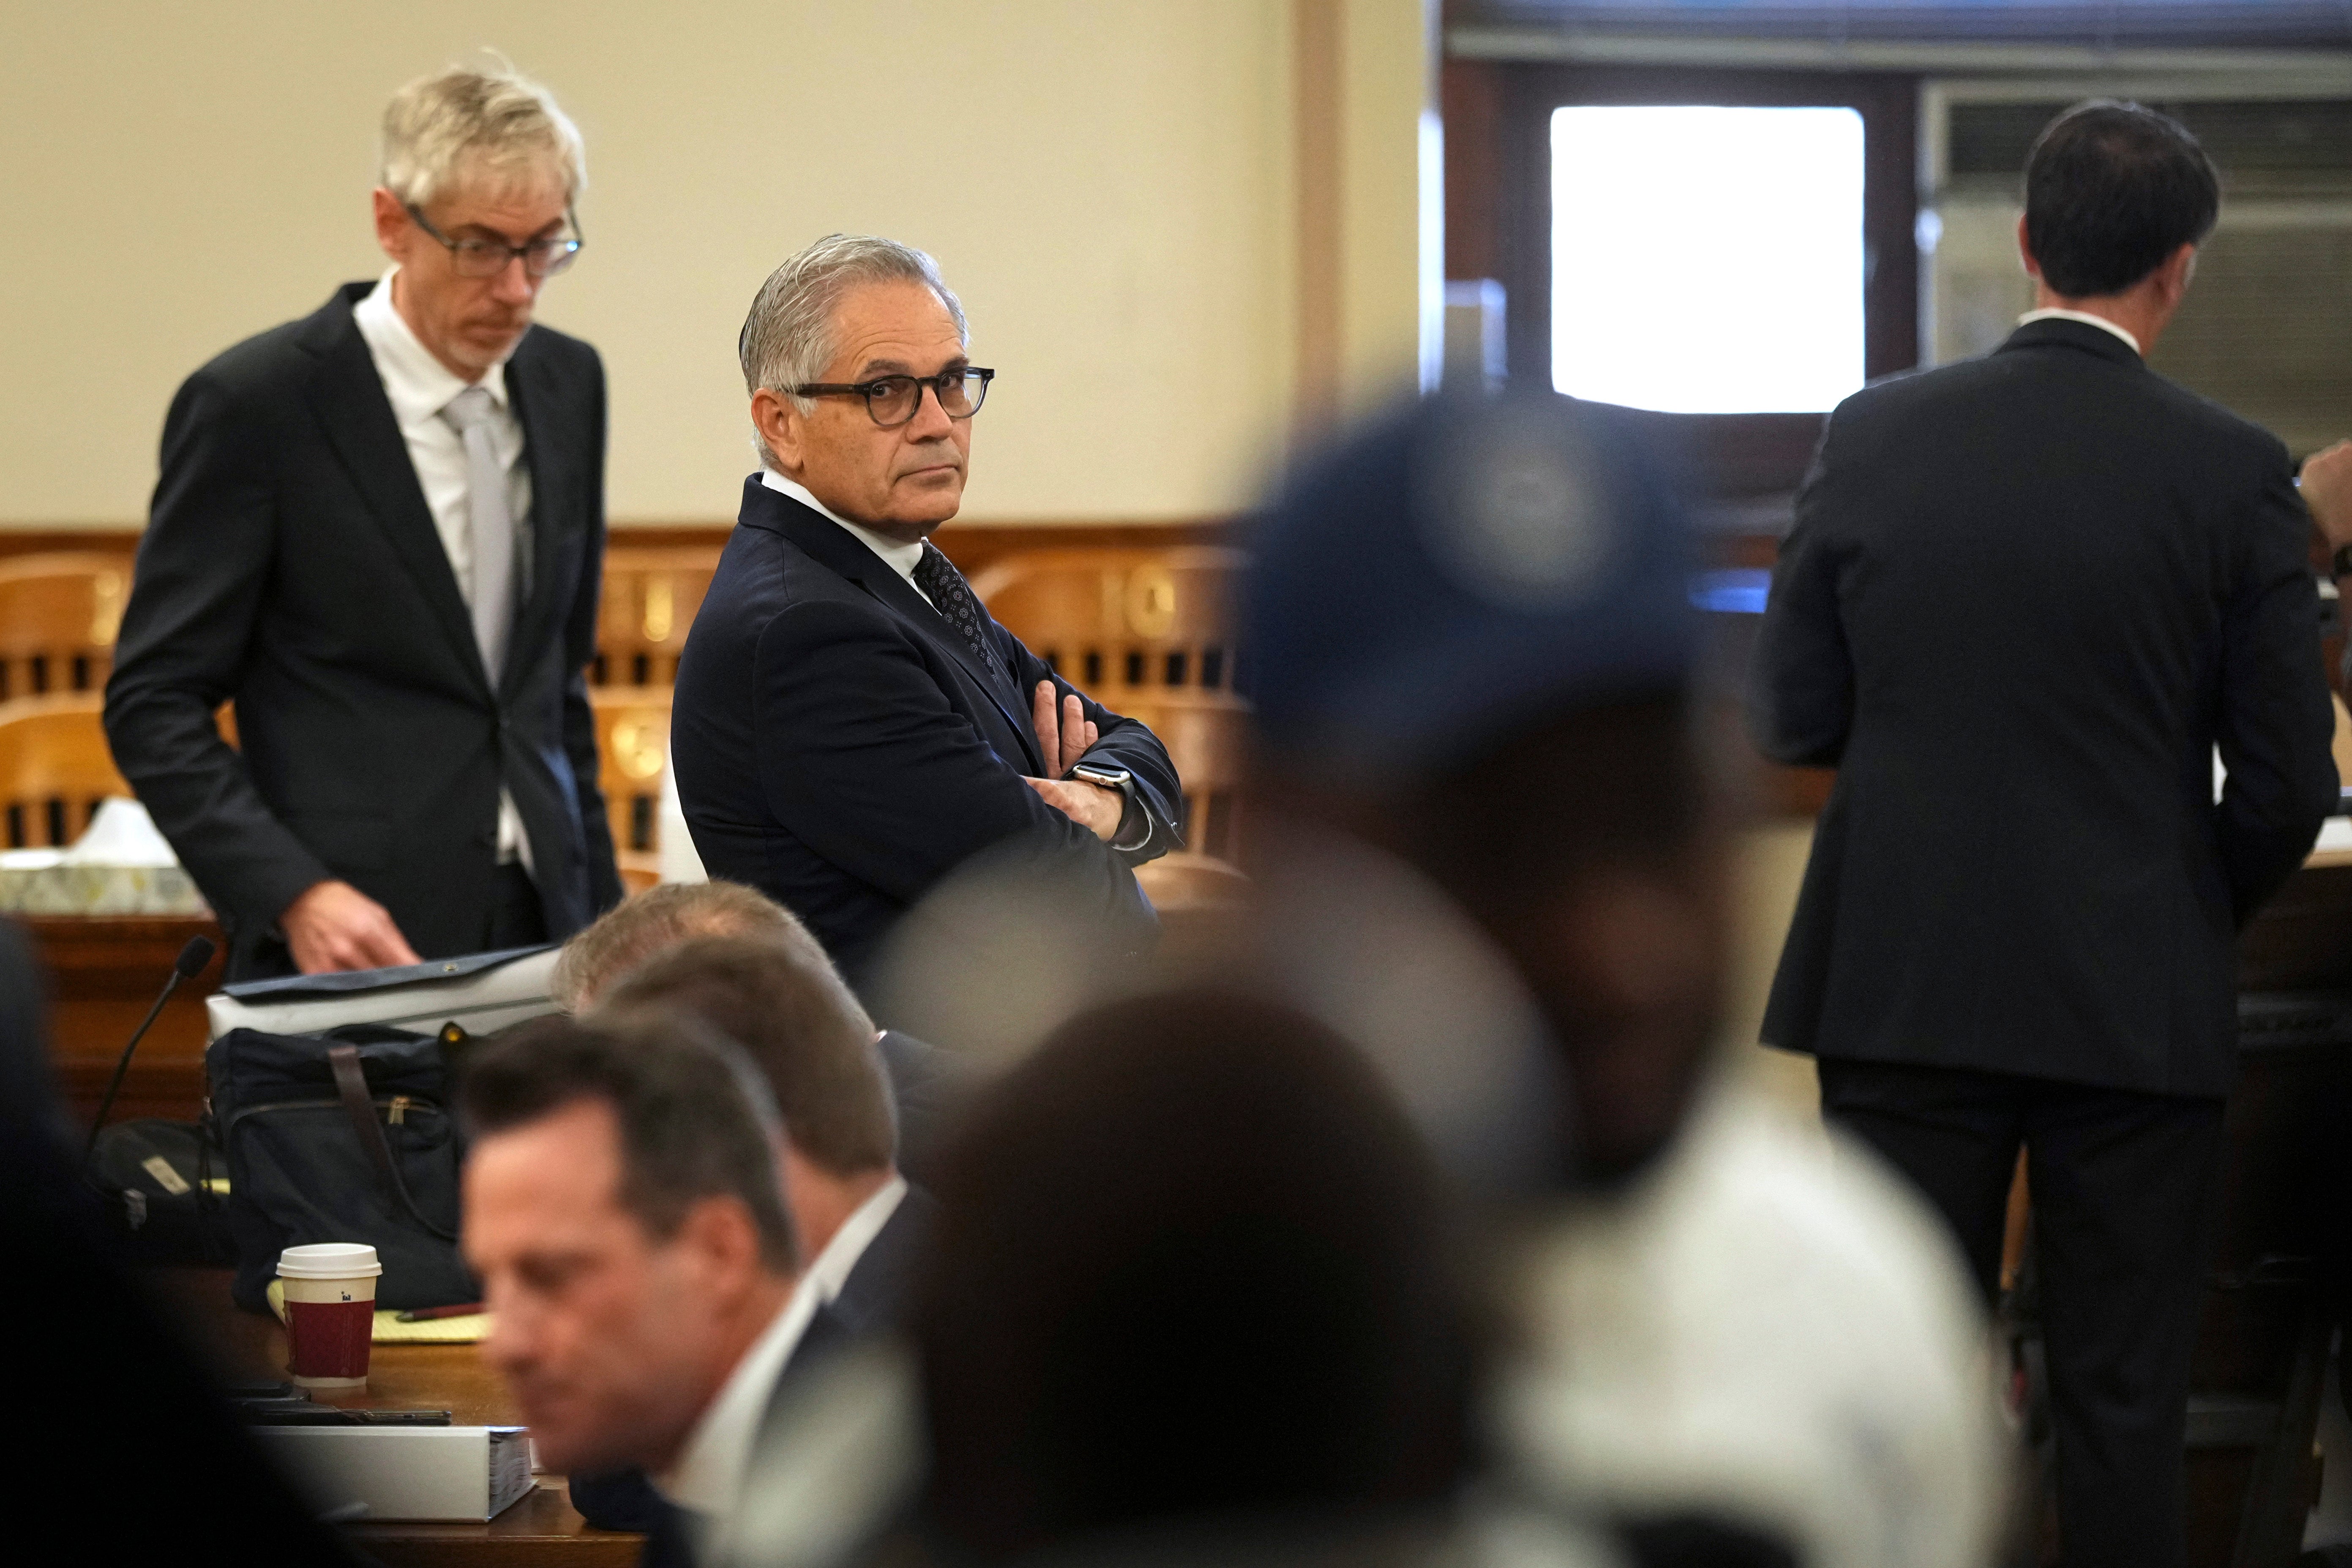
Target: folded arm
865 760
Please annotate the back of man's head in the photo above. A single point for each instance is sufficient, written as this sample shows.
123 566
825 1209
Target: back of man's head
2112 190
787 1007
1191 1263
661 917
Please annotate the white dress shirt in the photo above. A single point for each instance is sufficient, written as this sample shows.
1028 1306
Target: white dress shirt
901 558
419 387
709 1476
2088 320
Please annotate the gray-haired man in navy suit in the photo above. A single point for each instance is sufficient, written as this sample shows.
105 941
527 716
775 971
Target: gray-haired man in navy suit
850 725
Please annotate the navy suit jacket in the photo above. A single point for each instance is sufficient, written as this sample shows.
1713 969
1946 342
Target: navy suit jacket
291 565
2025 598
840 747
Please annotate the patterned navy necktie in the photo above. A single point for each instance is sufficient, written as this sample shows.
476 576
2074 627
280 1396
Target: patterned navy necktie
936 575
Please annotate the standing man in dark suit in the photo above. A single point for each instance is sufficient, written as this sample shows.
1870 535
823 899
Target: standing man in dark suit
850 725
2026 598
379 532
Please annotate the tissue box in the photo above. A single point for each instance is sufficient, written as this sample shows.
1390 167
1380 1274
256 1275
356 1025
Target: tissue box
408 1472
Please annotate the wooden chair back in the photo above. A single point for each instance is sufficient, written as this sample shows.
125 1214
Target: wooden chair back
54 767
1149 634
650 598
58 615
632 753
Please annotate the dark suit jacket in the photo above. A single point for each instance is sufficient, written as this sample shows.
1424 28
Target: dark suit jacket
839 745
2024 599
290 564
928 1086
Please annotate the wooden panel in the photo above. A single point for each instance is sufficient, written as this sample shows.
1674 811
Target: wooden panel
104 973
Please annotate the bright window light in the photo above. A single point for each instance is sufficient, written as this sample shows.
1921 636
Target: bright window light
1706 260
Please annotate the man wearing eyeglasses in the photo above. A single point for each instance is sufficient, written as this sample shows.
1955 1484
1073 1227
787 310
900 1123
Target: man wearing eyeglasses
850 725
379 532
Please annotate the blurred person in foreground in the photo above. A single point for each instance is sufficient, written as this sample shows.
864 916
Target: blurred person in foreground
1487 809
850 725
2026 599
379 532
624 1212
860 1224
1198 1295
926 1083
103 1371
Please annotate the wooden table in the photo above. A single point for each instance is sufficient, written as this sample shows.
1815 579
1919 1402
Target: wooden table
543 1528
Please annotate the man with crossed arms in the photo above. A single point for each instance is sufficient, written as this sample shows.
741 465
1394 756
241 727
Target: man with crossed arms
850 725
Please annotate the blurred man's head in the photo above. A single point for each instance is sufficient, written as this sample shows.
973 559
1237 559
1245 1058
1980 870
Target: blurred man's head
787 1007
1191 1265
1474 647
661 917
480 173
622 1209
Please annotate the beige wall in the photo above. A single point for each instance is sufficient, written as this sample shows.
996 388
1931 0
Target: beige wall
1106 182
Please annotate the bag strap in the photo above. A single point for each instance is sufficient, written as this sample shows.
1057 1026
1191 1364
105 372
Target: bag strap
350 1086
351 1083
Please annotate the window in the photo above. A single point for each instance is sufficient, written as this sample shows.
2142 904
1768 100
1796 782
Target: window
1708 259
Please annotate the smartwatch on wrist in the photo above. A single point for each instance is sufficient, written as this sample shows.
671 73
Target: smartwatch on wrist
1109 778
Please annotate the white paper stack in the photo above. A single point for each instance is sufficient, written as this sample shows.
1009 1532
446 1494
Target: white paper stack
407 1472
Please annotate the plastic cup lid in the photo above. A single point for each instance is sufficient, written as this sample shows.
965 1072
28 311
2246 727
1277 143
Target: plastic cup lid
327 1261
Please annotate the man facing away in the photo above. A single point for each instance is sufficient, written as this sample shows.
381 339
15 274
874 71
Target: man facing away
623 1211
379 531
850 725
926 1085
2025 599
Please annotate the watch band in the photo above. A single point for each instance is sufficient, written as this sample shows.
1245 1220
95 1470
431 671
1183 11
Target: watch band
2340 563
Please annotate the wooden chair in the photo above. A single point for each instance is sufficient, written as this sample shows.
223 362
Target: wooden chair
58 615
1149 633
633 751
650 598
1125 626
54 767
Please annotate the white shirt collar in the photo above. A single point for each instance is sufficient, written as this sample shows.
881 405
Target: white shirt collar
418 385
2088 320
708 1475
831 1270
901 558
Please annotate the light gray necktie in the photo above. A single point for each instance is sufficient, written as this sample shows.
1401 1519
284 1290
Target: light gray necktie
492 595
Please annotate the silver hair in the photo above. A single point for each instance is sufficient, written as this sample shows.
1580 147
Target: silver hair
493 118
788 338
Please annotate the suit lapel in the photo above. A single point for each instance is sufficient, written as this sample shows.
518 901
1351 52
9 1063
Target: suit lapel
347 396
535 395
834 547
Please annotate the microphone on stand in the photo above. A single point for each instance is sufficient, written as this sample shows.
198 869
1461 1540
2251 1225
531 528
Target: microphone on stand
187 966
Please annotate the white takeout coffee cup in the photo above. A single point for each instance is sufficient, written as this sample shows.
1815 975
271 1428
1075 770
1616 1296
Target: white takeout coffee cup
329 1312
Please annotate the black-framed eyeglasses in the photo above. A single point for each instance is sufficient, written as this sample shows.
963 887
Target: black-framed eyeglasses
893 400
489 258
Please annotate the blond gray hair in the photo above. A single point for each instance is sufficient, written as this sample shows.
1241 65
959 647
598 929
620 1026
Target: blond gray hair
467 118
788 338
